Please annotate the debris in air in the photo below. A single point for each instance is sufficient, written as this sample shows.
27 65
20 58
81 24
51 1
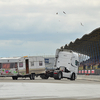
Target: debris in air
57 13
64 12
82 24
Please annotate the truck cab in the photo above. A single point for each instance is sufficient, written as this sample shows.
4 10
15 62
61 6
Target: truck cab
66 62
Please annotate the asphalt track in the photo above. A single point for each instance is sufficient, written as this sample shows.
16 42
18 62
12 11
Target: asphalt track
41 89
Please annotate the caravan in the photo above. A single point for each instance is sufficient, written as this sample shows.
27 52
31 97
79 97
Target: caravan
22 67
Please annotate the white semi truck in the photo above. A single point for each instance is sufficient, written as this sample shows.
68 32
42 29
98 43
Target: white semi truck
66 62
65 65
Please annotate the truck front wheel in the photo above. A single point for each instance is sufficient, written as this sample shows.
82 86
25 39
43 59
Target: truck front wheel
72 76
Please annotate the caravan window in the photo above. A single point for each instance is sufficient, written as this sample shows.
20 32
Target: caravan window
40 63
6 65
12 65
20 64
32 63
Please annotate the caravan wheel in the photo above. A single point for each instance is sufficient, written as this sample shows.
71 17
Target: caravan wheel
32 76
14 77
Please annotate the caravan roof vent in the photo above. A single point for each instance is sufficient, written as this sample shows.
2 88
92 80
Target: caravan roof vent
25 56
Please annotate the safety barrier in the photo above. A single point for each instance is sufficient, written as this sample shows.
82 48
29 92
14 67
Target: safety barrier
89 77
86 72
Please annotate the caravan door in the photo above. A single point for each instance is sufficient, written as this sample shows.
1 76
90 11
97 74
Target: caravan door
27 65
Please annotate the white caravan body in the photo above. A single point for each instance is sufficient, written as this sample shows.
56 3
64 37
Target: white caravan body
67 62
13 66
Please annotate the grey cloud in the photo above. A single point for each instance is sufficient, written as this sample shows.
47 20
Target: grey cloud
35 21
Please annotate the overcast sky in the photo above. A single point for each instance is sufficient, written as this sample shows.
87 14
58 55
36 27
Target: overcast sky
32 27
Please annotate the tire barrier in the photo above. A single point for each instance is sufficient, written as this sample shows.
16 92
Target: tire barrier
89 72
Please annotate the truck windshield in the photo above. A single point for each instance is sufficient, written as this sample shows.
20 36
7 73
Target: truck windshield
76 63
0 65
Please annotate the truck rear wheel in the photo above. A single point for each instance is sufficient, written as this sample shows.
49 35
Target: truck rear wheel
44 76
58 76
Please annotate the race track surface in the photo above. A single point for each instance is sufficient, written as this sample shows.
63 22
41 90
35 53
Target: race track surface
25 89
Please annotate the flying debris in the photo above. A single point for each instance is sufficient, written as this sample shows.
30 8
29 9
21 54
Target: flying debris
64 12
82 24
57 13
